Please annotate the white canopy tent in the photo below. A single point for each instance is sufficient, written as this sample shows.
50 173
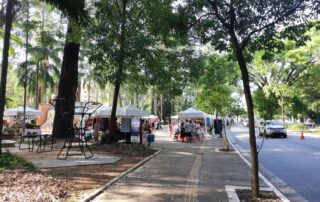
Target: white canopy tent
192 113
18 111
175 117
150 117
131 111
103 111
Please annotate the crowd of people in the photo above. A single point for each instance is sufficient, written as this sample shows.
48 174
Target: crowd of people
189 131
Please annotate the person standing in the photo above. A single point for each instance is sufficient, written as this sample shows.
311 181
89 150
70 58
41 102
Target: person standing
182 131
170 128
188 130
146 129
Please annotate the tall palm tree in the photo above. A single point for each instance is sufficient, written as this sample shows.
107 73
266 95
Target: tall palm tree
41 73
91 80
42 67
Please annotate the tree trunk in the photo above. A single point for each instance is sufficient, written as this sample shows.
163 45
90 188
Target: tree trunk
78 93
135 100
282 109
40 96
62 125
252 137
89 91
155 102
36 100
152 104
120 99
113 119
5 61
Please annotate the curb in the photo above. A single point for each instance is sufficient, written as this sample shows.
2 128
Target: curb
114 180
277 192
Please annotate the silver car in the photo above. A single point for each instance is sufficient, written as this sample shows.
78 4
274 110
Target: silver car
272 128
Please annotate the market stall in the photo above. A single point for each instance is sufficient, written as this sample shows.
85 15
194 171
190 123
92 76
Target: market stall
194 115
131 122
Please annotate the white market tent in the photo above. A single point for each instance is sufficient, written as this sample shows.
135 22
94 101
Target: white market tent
103 111
192 113
150 117
175 117
131 111
18 111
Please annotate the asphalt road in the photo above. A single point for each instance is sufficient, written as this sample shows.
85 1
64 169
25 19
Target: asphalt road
291 164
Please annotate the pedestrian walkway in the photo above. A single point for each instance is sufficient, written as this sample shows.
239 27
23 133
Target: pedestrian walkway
182 172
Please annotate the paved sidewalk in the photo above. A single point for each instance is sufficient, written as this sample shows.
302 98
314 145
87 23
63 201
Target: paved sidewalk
182 172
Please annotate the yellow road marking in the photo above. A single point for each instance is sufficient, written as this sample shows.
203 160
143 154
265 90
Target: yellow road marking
191 193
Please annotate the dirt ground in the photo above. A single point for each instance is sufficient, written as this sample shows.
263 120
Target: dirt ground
87 178
94 176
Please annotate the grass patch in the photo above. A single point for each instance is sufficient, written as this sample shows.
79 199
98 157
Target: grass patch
296 127
9 161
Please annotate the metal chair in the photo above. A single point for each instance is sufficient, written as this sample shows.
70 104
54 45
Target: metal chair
77 137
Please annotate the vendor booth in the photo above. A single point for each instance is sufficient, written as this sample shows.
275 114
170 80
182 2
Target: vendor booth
18 111
131 118
151 118
194 115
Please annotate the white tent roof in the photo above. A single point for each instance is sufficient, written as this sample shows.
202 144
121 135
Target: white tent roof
131 111
175 117
18 111
192 113
103 111
151 117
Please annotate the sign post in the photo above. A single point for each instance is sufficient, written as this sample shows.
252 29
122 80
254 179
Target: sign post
135 130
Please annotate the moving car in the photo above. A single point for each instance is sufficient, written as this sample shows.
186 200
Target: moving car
272 128
310 123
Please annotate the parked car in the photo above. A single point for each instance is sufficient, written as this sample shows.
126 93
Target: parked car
272 128
310 123
245 123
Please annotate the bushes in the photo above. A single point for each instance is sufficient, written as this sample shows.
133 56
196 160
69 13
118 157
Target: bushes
106 138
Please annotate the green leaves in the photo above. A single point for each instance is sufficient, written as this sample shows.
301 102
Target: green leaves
216 83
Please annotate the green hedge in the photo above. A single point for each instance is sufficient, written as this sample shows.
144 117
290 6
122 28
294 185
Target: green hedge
9 161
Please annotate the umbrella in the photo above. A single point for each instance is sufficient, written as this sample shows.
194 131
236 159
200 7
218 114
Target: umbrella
131 111
18 111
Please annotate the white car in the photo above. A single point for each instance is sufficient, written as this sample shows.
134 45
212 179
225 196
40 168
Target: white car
310 123
245 123
272 128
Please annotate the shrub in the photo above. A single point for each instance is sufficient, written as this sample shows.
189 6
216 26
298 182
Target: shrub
106 138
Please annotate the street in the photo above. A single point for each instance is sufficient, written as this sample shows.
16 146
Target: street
291 164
